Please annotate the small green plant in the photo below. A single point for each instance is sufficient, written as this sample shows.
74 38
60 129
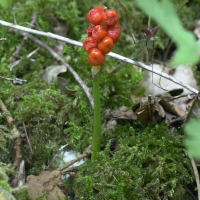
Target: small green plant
165 15
100 41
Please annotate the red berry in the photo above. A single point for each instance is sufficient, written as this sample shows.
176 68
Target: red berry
96 57
89 43
102 8
111 17
95 16
90 29
98 32
106 45
114 32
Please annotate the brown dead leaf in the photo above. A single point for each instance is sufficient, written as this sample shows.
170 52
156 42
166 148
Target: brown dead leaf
121 113
109 125
46 182
62 82
172 108
152 111
157 110
111 117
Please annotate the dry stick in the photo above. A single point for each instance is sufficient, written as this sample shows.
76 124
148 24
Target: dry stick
19 47
85 154
196 175
54 158
70 169
15 133
59 58
27 138
26 134
117 56
182 95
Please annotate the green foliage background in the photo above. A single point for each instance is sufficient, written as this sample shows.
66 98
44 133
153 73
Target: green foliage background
53 119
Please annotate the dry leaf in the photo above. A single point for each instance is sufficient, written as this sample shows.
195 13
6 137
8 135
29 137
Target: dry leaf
121 113
149 111
52 72
172 108
46 182
64 89
111 117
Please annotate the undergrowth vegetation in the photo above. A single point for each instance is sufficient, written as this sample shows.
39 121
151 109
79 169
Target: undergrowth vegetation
147 162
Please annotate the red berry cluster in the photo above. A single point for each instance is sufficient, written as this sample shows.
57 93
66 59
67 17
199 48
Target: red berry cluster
102 36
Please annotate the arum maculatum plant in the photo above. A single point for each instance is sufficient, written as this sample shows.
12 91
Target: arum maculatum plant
102 35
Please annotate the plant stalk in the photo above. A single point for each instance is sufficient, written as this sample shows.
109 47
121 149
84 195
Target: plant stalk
181 5
96 143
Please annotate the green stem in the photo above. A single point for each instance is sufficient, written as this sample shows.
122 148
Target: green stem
181 5
149 22
96 143
130 15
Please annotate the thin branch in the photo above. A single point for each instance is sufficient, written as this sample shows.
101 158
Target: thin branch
15 81
54 158
85 154
164 75
15 133
15 63
182 95
196 176
59 58
117 56
48 34
19 47
27 138
70 169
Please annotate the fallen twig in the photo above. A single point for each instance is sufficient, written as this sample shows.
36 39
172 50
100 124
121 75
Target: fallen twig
15 81
70 169
139 64
59 58
15 63
196 176
85 154
54 158
15 133
27 138
182 95
19 47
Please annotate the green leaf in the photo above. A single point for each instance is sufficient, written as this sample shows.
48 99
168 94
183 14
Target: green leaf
192 139
6 3
165 15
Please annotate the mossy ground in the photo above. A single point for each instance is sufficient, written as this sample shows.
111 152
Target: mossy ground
147 162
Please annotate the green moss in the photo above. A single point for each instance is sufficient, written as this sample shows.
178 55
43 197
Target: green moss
149 164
